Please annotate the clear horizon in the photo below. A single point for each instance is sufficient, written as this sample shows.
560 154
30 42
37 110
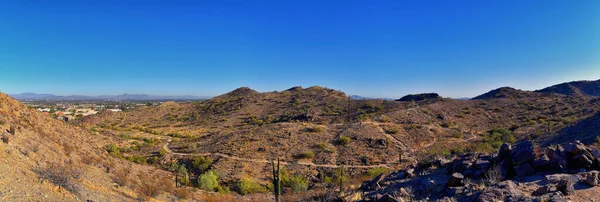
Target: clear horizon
383 49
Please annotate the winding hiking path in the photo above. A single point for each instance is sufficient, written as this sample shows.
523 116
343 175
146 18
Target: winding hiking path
166 147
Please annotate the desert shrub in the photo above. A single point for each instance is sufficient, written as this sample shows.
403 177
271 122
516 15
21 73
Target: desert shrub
343 140
113 150
493 175
306 155
446 125
297 183
324 147
201 163
374 172
121 177
126 136
249 186
137 159
208 181
391 131
184 176
150 186
493 140
64 175
315 129
182 193
162 152
457 134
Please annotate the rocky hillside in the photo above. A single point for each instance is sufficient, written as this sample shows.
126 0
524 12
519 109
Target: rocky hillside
575 88
44 159
505 92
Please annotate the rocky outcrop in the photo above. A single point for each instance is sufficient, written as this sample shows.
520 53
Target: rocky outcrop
419 97
559 169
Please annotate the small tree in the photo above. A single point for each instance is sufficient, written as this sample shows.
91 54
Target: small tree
209 181
184 175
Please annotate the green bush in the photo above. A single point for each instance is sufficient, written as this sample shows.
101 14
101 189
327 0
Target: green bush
297 183
209 181
113 150
306 155
162 152
249 186
447 125
392 131
374 172
201 163
315 129
137 159
343 140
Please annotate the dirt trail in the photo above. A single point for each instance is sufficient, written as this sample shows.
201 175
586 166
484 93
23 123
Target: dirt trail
166 147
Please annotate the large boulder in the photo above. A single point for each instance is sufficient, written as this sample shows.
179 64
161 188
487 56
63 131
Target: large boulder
574 147
504 152
524 169
523 152
542 162
582 160
456 180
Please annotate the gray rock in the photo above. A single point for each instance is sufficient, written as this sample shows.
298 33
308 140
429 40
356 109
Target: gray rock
504 152
566 187
542 162
524 169
574 148
557 178
482 164
456 180
523 152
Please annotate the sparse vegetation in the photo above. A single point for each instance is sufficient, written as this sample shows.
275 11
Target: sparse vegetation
374 172
344 140
306 155
64 175
392 131
249 185
121 176
297 183
315 129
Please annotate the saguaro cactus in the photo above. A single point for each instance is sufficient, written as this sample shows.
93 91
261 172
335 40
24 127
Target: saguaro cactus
276 180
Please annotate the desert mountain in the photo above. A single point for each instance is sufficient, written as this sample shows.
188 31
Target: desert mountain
505 92
575 88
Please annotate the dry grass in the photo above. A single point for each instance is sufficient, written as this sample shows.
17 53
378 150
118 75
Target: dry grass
64 175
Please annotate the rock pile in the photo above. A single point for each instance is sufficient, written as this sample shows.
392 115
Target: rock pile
558 167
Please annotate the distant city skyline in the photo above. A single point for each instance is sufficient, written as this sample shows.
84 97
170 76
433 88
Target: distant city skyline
380 49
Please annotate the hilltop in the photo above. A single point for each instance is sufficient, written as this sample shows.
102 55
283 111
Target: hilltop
505 92
575 88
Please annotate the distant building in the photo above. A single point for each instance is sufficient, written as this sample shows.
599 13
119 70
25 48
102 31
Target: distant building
115 110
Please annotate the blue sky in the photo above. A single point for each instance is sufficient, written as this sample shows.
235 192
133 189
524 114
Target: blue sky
380 48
